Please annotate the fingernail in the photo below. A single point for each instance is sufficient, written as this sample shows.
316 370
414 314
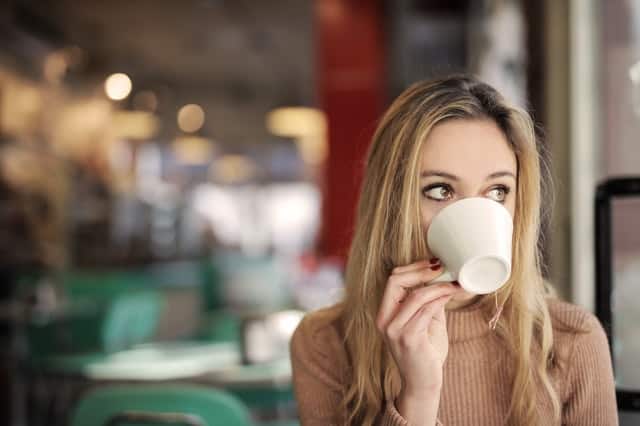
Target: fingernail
434 260
435 267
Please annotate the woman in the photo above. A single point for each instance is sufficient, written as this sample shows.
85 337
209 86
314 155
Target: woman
397 352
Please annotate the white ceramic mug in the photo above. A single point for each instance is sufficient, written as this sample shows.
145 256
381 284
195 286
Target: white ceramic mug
472 239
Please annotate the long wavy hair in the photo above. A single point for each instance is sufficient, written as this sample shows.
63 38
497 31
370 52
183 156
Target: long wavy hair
389 232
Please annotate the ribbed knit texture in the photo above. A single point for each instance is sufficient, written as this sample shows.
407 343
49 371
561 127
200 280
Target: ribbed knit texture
477 373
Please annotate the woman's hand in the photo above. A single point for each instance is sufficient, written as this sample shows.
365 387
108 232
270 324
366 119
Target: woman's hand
412 319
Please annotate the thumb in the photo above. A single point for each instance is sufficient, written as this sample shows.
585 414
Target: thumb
439 320
440 314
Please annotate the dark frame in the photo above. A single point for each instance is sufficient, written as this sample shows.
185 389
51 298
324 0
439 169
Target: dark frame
605 192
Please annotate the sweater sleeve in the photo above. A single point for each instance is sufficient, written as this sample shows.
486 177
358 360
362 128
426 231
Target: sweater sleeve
319 363
591 397
317 374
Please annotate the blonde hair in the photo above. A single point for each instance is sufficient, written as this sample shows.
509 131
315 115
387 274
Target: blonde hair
389 233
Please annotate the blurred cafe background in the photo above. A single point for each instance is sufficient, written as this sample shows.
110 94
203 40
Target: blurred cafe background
178 181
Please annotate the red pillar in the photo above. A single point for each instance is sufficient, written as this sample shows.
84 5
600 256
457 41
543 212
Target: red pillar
351 81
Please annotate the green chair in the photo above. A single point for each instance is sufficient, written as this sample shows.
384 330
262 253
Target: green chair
106 311
114 324
133 405
63 349
219 326
211 284
133 319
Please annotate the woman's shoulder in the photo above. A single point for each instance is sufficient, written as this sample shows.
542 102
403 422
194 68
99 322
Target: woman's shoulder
570 318
582 354
577 333
320 333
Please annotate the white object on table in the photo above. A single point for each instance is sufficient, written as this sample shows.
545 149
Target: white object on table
165 361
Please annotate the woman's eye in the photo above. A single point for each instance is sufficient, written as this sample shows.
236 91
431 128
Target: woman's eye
499 193
438 193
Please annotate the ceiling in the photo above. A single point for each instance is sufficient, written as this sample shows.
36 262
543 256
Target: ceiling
238 58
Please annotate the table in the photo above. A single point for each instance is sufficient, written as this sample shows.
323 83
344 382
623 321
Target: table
266 388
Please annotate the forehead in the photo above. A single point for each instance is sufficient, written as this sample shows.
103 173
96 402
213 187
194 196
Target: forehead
467 148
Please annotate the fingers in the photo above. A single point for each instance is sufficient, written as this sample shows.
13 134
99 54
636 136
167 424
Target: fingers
439 315
419 276
396 289
427 316
422 297
412 267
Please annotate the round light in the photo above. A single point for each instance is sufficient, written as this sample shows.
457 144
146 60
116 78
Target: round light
308 127
296 121
190 118
117 86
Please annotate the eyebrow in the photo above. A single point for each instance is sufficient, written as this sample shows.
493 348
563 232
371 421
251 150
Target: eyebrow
429 173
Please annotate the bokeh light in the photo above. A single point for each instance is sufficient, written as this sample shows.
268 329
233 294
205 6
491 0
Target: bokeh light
190 118
117 86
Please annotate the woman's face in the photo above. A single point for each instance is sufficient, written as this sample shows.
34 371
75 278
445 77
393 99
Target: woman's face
466 158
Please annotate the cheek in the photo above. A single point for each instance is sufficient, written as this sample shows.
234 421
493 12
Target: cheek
511 206
429 210
427 215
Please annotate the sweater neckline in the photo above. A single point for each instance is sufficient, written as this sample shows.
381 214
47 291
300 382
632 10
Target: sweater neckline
468 322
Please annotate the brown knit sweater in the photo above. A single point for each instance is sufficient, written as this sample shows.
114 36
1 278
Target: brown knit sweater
477 373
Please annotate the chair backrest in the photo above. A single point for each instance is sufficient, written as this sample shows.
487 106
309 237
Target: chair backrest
209 406
131 318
